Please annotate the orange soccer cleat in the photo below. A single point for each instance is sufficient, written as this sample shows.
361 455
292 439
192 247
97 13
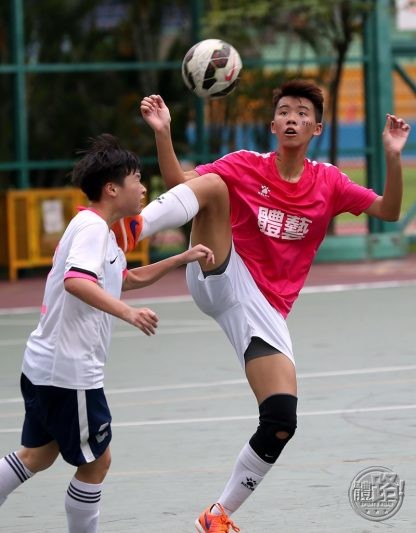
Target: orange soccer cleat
127 231
212 523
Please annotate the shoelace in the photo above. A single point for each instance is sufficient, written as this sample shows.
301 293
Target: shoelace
226 520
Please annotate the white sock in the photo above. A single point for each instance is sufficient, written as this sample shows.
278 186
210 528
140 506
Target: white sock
248 472
12 474
171 209
82 505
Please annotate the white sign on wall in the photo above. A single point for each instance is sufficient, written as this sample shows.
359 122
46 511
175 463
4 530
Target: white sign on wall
406 14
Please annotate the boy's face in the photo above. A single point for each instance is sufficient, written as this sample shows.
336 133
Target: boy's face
132 194
294 122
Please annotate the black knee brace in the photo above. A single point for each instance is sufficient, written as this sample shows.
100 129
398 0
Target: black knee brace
277 413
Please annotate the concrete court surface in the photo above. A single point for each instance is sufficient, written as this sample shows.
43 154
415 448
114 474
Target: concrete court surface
182 410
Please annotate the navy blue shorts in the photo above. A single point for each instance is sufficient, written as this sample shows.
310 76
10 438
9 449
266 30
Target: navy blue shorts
78 420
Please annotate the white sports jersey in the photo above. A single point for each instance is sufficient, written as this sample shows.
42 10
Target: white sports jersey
70 345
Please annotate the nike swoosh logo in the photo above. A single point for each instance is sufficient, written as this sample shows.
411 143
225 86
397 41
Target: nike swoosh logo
114 260
133 227
231 73
100 438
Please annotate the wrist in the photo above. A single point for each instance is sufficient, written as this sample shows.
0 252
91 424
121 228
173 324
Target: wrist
163 131
393 154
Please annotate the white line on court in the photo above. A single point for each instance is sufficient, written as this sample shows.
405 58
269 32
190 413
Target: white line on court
313 289
211 384
342 287
253 417
209 327
164 422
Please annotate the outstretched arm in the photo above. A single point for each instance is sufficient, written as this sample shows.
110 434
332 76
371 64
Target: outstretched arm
92 294
156 114
146 275
395 135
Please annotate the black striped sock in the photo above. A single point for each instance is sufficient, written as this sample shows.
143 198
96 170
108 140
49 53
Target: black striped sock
12 474
84 496
82 505
18 467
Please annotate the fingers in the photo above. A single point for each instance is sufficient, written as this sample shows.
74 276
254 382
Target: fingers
146 320
393 122
201 252
209 257
151 103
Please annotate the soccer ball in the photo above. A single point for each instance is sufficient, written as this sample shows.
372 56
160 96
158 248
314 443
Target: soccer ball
210 69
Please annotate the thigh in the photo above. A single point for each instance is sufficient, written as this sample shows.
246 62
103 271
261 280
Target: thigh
34 431
271 374
39 458
236 303
79 421
91 428
212 226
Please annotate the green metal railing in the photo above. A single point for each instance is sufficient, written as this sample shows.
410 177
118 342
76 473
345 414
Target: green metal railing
378 65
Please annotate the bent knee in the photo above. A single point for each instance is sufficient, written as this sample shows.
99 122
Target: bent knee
283 435
103 463
96 471
278 422
214 180
214 188
38 459
107 461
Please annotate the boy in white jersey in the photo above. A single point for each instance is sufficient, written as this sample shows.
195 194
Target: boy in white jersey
63 365
264 216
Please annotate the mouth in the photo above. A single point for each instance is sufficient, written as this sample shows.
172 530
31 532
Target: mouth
290 131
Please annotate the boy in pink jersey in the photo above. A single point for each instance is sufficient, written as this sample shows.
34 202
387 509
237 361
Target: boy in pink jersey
264 216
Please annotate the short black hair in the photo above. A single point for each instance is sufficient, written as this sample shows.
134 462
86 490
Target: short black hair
103 161
301 89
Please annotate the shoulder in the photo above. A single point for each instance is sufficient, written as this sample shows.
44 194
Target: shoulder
246 156
86 217
325 170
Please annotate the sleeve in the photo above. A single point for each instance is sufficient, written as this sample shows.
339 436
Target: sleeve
226 167
87 253
351 197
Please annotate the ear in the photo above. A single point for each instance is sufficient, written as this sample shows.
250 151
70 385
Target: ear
272 127
111 189
318 129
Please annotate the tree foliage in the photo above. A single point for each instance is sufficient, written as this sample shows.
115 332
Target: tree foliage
66 108
328 27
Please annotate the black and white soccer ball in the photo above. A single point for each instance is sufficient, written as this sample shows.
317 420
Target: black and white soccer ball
211 68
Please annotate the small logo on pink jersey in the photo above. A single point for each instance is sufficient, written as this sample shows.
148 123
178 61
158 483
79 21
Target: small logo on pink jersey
264 191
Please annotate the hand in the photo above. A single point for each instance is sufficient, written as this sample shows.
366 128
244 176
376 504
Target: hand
143 318
199 252
155 112
395 134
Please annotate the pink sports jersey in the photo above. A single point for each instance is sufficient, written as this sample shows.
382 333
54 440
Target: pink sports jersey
277 226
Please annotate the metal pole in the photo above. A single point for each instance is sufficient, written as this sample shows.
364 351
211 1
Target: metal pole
378 97
19 96
201 147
